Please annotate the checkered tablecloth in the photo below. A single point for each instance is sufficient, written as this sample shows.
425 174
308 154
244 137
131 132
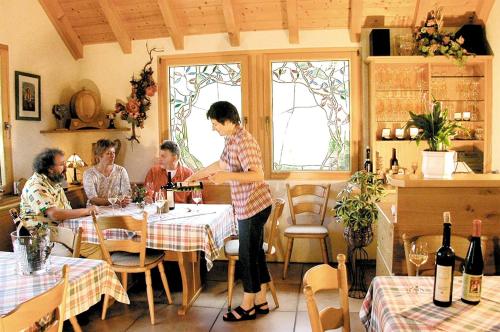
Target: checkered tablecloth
389 307
88 280
186 228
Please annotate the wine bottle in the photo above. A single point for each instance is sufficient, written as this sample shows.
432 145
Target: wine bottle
170 192
473 268
394 159
445 265
368 166
16 219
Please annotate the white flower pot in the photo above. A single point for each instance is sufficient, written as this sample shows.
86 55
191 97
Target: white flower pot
438 164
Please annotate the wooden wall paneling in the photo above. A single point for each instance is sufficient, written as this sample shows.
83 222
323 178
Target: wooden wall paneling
487 113
355 19
483 9
63 27
117 25
171 23
232 23
293 22
6 125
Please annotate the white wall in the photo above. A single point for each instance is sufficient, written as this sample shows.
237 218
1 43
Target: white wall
493 36
35 47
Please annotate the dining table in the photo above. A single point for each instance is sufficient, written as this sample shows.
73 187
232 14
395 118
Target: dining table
389 305
89 279
183 233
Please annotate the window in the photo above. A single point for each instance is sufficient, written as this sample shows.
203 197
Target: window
6 175
310 115
192 88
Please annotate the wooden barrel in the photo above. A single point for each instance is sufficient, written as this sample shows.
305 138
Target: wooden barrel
84 106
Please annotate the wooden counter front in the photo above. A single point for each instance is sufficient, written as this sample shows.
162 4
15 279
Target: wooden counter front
419 205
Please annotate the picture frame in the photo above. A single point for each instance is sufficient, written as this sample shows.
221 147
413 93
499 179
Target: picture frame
28 96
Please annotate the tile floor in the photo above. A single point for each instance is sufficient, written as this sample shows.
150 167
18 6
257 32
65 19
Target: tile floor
206 314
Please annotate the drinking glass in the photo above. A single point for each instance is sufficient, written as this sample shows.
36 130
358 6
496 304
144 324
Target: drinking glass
196 196
112 199
159 201
418 256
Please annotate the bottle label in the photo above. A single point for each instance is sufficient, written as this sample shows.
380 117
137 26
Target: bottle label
471 287
170 199
443 283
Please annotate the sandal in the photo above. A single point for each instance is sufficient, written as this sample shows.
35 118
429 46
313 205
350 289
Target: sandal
260 311
244 315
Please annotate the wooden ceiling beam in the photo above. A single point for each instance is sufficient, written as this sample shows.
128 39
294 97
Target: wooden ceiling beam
422 7
355 19
293 21
232 23
117 25
173 27
63 27
483 10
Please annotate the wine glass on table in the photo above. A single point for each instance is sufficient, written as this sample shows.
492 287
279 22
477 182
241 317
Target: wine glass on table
196 197
113 199
122 196
418 256
159 200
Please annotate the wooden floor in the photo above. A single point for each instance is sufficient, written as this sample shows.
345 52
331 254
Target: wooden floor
206 314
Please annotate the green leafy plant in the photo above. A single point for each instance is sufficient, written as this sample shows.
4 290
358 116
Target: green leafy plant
434 127
138 193
431 40
355 206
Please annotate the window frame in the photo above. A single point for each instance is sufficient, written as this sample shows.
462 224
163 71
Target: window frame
165 62
6 158
352 55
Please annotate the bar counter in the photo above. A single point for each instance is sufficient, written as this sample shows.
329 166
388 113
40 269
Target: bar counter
418 205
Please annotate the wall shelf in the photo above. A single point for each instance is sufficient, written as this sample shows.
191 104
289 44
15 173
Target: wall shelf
82 131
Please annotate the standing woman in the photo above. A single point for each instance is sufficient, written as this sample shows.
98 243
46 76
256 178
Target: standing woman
241 166
105 178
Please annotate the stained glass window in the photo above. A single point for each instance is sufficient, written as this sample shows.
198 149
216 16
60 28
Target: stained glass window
310 112
192 90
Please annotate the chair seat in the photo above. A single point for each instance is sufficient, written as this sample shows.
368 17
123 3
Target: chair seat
131 259
60 250
306 229
232 248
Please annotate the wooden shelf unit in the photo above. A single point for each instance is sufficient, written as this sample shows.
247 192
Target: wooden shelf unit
82 131
439 76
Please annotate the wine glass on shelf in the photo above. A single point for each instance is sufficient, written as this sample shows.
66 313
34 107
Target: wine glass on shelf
159 200
418 256
196 196
113 199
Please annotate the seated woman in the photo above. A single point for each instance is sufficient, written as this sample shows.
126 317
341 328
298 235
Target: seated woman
169 162
105 178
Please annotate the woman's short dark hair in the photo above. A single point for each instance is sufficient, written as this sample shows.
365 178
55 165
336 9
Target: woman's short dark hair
222 111
45 160
171 146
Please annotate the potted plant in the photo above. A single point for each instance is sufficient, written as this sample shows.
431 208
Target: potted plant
356 208
437 130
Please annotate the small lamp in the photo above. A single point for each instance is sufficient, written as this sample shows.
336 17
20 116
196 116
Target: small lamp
74 161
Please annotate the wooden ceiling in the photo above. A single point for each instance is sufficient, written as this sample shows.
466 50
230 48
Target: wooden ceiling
83 22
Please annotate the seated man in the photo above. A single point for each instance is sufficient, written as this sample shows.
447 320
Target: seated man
105 178
169 162
43 198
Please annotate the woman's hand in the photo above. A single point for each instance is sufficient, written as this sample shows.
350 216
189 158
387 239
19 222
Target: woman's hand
219 177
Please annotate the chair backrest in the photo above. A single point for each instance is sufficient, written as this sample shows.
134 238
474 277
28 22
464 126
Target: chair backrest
28 313
315 206
274 217
67 238
459 244
325 277
128 223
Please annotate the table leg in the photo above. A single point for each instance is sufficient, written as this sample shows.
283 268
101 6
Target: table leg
74 324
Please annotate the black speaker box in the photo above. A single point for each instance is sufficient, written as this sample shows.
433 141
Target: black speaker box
474 39
380 42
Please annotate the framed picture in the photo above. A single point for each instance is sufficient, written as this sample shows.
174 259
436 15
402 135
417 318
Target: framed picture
28 97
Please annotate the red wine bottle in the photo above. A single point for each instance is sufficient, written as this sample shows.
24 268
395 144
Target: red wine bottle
394 159
445 265
368 166
18 222
473 269
170 192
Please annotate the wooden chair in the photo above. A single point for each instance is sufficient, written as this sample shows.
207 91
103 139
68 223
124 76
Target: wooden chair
314 209
231 249
459 244
325 277
30 312
130 256
67 243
